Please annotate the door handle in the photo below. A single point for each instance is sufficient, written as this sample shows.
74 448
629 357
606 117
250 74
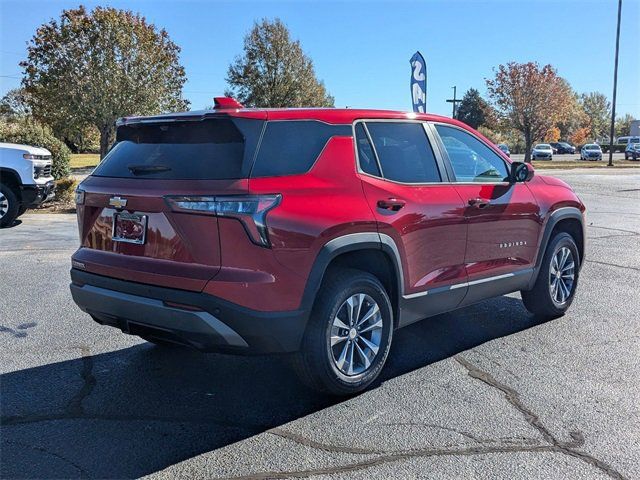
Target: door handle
478 202
393 204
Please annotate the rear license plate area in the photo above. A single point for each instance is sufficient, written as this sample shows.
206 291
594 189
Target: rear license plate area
129 228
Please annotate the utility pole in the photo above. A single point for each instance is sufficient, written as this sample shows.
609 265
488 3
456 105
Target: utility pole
454 101
615 87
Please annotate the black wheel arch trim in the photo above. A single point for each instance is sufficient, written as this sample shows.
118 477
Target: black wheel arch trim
562 213
15 176
351 242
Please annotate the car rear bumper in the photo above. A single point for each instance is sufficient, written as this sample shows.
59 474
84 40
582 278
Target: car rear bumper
195 319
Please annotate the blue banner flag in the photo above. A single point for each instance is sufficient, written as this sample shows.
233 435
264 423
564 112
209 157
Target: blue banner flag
418 83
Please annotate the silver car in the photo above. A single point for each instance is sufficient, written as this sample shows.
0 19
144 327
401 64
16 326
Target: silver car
542 151
591 151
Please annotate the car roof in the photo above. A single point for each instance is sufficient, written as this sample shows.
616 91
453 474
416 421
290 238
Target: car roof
327 115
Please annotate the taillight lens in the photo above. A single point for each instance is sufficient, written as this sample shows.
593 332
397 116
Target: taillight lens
79 196
251 210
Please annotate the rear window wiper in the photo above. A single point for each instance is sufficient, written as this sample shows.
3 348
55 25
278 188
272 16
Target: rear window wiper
142 169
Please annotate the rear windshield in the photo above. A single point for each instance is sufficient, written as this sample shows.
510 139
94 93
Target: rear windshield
592 147
212 149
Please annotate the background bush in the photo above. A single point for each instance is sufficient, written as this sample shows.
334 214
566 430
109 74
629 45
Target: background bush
65 190
30 133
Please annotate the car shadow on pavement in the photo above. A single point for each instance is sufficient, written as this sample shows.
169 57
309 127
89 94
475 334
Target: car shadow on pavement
135 411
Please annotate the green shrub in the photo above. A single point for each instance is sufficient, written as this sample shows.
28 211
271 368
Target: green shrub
30 133
65 189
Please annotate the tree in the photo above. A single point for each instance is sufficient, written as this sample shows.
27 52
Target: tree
623 125
14 105
90 68
575 120
598 111
475 111
530 99
274 71
580 136
552 135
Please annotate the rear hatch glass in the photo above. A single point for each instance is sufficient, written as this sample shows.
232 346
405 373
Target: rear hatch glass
213 149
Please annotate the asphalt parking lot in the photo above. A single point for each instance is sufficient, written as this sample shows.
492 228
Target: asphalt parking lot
483 392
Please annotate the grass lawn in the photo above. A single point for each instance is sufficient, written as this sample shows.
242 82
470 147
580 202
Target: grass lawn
542 165
84 160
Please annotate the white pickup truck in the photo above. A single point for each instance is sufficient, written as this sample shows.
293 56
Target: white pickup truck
25 180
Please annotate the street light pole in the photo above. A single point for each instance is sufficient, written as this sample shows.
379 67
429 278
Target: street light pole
615 87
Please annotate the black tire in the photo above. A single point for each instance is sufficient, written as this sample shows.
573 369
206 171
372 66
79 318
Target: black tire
540 300
315 363
8 206
21 210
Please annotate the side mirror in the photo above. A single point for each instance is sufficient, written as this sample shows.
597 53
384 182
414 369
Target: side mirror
521 172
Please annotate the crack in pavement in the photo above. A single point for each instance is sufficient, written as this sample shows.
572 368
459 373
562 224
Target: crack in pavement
553 445
632 232
612 265
307 442
512 396
89 382
83 472
391 458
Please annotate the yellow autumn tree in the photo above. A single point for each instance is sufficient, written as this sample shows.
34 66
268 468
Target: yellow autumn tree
552 135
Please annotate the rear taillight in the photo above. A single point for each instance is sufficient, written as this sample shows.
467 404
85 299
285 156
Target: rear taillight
251 210
79 196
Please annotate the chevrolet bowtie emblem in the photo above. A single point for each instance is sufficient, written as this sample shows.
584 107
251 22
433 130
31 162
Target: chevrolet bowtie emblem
118 202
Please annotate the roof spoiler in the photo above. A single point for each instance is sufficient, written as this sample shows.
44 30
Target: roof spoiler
226 103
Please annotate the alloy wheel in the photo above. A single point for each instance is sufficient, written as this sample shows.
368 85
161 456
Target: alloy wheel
356 334
561 275
4 205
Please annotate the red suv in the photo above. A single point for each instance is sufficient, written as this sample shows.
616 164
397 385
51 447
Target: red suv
316 232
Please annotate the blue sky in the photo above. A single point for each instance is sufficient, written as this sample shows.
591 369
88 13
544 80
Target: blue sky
361 49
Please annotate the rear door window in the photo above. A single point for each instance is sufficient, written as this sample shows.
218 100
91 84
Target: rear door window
404 152
291 147
366 156
209 149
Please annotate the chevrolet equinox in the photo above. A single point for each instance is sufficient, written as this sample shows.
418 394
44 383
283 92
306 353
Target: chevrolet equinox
314 232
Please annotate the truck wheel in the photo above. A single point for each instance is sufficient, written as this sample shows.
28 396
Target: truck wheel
21 210
557 280
348 336
8 206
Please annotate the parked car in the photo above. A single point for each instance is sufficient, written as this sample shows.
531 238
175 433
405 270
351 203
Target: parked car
562 147
263 231
632 151
591 151
542 151
25 180
505 149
